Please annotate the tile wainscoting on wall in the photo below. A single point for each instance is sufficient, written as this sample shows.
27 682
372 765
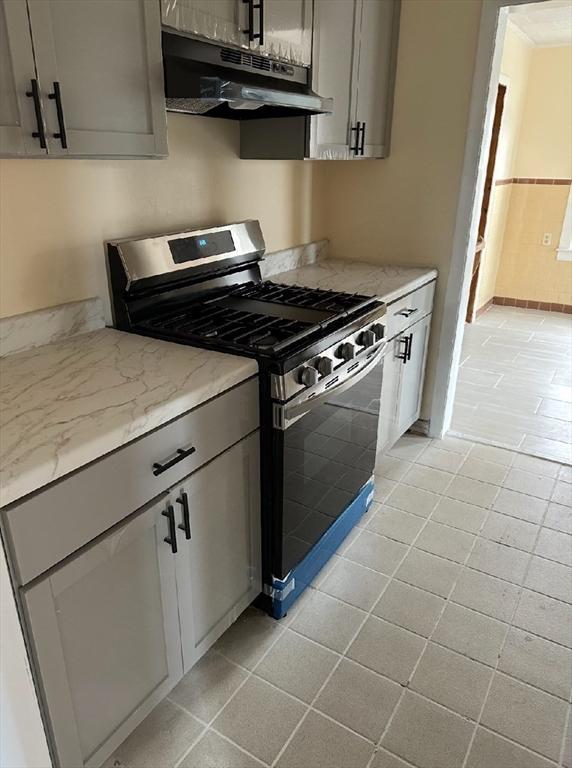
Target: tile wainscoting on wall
528 272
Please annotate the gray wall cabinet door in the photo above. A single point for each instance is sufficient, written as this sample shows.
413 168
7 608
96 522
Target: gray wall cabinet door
106 57
218 570
378 33
224 20
287 30
412 375
106 638
334 52
17 70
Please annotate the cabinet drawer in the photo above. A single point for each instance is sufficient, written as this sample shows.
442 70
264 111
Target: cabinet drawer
52 524
408 310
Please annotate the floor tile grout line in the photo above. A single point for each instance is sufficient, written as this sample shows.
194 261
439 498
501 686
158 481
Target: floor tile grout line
206 727
347 647
501 649
249 674
428 639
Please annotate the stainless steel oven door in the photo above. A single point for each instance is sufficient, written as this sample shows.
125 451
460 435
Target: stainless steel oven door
327 445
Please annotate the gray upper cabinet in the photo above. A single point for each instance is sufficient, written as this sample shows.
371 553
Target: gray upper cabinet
17 73
334 25
287 30
278 28
105 631
354 59
223 21
98 66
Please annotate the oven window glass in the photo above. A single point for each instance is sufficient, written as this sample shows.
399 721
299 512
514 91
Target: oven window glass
329 455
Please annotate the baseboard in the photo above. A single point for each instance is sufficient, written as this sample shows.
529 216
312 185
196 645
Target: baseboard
484 308
547 306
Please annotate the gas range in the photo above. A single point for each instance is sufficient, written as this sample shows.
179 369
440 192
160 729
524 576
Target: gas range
320 356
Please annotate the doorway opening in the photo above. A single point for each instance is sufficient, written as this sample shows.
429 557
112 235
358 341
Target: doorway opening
514 378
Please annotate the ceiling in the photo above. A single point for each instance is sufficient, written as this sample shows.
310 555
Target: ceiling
544 23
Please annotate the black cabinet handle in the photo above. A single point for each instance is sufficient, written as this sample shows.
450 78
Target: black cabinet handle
409 346
355 148
61 134
250 29
403 355
35 94
252 35
182 453
185 526
171 539
260 7
361 147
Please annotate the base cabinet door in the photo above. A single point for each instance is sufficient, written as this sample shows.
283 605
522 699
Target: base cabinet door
412 374
218 572
106 638
392 365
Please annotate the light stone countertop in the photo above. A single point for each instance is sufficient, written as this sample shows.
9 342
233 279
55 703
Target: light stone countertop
388 283
68 403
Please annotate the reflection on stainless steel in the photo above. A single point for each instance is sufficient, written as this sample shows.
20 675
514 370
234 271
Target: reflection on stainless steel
145 257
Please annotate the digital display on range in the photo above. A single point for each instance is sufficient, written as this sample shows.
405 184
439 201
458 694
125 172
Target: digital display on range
199 246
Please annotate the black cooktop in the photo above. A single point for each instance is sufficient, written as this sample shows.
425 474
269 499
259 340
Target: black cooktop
258 318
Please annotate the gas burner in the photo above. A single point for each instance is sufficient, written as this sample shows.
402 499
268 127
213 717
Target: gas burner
263 317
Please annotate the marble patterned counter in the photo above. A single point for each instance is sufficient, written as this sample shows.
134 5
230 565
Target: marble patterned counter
68 403
388 283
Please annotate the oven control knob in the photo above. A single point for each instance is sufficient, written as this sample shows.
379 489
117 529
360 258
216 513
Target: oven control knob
378 330
366 338
324 365
308 376
345 351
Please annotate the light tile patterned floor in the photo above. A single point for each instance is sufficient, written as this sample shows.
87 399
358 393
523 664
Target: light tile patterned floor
515 382
439 636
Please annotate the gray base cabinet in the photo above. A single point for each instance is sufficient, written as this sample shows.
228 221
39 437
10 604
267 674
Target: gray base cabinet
81 79
116 627
218 567
404 365
105 634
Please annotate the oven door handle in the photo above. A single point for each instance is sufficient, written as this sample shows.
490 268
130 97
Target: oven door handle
285 415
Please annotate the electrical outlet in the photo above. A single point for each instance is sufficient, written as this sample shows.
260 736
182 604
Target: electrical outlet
547 238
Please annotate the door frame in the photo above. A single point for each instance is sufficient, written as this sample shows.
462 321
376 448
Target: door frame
494 16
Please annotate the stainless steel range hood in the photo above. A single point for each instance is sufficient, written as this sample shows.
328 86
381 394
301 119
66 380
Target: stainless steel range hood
206 79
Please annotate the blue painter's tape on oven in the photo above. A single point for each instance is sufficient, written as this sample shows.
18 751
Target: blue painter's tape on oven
285 592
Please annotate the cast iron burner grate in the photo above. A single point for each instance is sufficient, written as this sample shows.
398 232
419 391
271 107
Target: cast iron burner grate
256 317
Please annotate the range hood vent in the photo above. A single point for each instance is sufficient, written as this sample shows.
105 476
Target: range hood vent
207 79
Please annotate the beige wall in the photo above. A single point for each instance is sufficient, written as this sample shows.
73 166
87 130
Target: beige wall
55 215
402 210
515 66
545 141
515 263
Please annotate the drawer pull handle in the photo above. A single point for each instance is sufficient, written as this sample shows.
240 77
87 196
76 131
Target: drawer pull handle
171 539
182 453
185 526
407 312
